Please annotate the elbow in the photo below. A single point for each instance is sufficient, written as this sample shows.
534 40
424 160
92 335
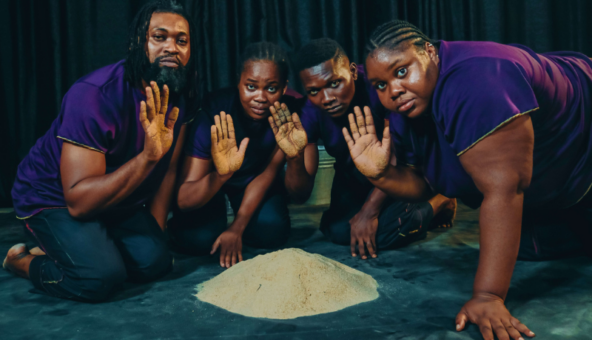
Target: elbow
78 213
184 203
300 197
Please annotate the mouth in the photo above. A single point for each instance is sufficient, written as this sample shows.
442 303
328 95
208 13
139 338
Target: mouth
169 62
259 111
335 109
406 105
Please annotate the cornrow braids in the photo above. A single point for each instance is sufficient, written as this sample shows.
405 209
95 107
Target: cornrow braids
391 34
136 61
318 51
265 51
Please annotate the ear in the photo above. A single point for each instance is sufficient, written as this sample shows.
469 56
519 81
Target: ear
353 68
432 52
285 87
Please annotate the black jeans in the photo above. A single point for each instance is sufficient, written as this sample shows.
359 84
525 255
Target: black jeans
195 232
399 223
86 260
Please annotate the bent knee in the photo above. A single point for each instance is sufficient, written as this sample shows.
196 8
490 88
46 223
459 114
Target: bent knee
269 233
153 267
100 285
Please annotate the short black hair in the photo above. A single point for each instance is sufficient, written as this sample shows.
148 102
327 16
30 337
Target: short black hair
266 51
318 51
391 34
137 62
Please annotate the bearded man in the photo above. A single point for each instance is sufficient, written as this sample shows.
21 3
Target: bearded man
95 190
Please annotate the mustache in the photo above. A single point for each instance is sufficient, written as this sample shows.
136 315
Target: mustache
157 60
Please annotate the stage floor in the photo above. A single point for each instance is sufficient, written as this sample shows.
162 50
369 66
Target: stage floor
422 287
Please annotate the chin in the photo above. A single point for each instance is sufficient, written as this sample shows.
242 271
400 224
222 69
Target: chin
337 114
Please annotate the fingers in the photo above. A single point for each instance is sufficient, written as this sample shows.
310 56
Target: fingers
172 118
350 142
361 249
275 115
369 121
274 127
360 120
234 257
371 246
240 255
486 330
214 133
224 123
157 98
286 112
230 123
215 246
164 106
512 331
150 103
499 330
353 127
143 118
461 320
521 327
352 246
218 126
227 259
243 147
280 112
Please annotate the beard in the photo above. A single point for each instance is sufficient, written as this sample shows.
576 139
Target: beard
174 78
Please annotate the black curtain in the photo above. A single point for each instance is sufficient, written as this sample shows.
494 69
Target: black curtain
48 44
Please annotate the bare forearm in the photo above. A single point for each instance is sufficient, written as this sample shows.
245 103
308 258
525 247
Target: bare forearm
403 183
374 203
93 195
160 206
500 224
195 194
254 194
298 181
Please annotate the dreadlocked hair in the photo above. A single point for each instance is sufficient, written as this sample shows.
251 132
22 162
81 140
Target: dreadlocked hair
318 51
136 61
265 51
391 34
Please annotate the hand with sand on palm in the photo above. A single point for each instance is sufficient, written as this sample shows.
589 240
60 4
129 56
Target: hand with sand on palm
226 156
287 128
370 155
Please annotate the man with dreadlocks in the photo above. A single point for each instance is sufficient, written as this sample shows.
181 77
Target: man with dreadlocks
498 126
94 191
359 215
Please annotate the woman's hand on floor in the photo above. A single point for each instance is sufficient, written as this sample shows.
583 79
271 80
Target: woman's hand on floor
231 247
226 156
363 234
288 130
491 315
370 155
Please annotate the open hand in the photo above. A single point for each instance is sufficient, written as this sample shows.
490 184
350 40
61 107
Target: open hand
158 132
289 133
489 313
231 246
363 233
226 156
370 155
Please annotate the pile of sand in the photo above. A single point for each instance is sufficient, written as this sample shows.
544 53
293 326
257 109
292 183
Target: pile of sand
288 284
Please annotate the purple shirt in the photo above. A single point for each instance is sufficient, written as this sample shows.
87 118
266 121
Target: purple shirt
484 85
261 139
320 125
99 112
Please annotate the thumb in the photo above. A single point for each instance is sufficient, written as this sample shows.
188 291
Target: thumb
243 147
461 320
215 246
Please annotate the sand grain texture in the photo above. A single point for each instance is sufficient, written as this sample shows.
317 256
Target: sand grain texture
287 284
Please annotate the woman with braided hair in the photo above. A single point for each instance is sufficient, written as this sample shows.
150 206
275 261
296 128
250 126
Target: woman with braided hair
497 126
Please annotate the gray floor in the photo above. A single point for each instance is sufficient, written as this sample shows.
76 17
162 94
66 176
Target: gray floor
422 287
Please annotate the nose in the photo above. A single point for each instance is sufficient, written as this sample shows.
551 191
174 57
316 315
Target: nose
170 46
327 98
396 89
260 97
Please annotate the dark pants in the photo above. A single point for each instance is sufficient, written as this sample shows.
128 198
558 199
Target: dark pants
399 223
549 234
195 232
86 260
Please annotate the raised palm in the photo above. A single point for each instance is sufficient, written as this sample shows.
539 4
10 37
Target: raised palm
225 154
370 155
287 128
157 128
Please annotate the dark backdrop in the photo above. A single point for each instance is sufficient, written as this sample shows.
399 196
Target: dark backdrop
48 44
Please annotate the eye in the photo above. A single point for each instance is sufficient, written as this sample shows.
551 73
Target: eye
250 87
272 89
182 41
313 92
159 37
402 72
335 83
380 86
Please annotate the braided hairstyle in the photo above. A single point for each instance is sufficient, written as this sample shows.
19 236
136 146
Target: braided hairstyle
318 51
136 61
391 34
266 51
